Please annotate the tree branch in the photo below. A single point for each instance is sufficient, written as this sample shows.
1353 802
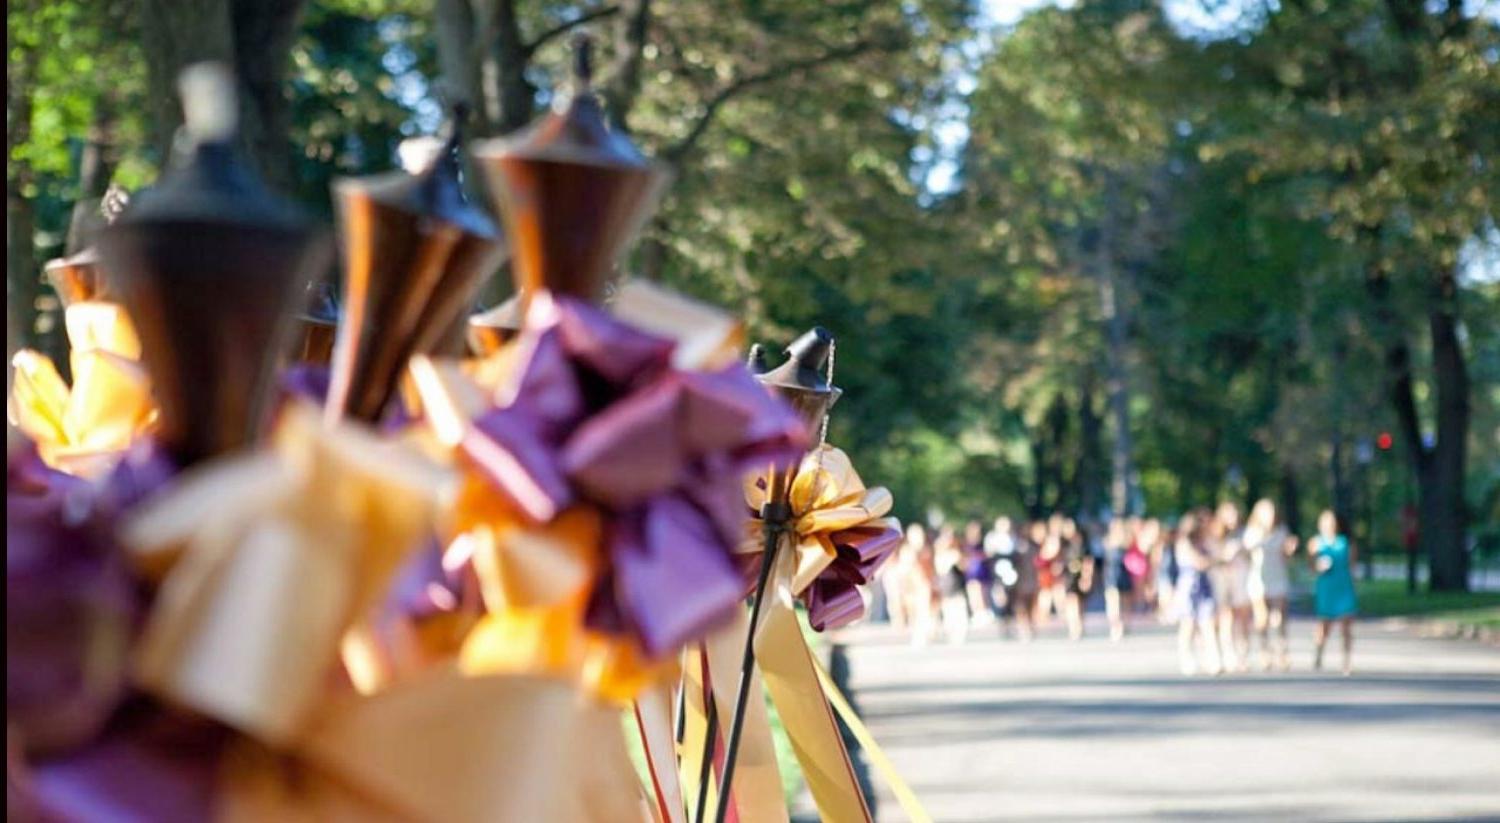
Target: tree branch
711 107
563 28
458 31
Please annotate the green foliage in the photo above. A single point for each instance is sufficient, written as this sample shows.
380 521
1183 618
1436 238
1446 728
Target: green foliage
79 68
358 89
1241 191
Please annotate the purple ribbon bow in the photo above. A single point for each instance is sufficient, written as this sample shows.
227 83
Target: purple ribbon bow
833 599
83 744
601 417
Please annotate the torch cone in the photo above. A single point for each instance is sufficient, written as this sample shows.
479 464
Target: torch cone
802 380
572 192
316 326
209 264
76 278
415 253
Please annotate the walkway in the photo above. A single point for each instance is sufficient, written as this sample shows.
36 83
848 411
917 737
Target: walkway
996 730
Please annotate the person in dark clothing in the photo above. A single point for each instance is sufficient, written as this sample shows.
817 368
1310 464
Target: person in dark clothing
1016 571
979 575
1077 575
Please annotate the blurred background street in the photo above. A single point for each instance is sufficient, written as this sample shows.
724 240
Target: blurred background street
1094 730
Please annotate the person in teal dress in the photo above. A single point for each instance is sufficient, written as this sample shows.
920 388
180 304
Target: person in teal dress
1333 559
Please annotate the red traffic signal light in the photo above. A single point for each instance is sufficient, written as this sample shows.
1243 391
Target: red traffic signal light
1384 441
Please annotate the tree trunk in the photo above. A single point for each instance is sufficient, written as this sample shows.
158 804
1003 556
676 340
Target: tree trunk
1444 521
95 168
458 31
1036 507
1291 500
23 285
652 256
1090 475
484 58
1057 435
254 37
1122 464
624 82
1337 474
506 70
264 31
1343 497
1439 469
175 34
1117 384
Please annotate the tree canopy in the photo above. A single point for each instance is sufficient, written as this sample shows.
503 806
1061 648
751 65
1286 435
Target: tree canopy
1159 265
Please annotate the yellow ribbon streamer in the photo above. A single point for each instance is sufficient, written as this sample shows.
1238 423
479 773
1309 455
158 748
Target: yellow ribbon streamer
787 666
442 746
83 429
694 726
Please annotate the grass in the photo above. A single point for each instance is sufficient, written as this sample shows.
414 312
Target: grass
1461 610
1389 598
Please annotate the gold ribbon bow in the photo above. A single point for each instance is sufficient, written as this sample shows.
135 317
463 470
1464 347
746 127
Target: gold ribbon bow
827 497
273 560
83 429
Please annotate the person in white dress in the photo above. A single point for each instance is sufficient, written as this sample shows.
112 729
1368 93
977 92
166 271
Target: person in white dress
1231 578
895 576
915 584
948 561
1270 547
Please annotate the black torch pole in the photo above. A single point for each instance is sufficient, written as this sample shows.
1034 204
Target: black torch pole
679 724
774 517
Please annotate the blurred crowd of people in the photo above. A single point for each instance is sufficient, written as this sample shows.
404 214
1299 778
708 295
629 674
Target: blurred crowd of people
1223 580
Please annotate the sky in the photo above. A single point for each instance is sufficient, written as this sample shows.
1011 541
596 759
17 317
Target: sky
1480 259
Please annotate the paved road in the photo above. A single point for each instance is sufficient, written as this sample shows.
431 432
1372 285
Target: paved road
996 730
